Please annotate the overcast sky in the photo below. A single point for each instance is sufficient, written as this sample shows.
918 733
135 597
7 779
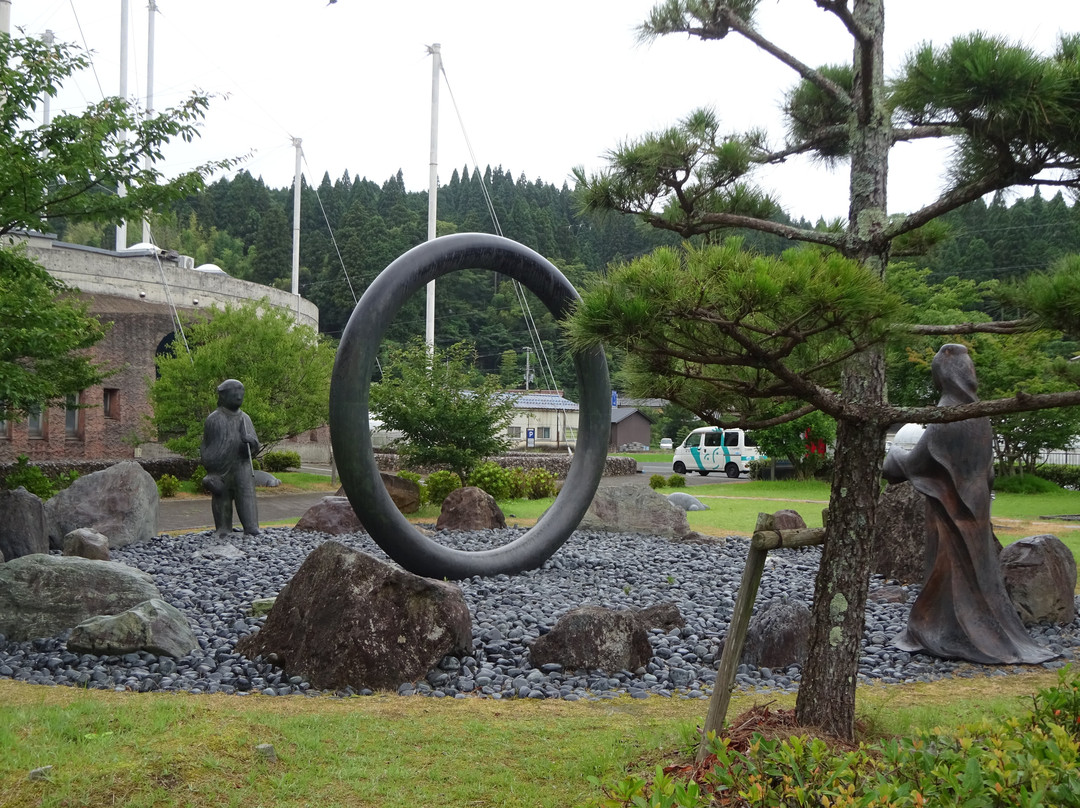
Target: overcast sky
540 87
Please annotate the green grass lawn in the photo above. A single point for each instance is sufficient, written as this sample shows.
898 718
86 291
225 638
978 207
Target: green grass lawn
175 749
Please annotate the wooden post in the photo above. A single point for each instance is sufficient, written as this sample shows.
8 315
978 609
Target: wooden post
765 538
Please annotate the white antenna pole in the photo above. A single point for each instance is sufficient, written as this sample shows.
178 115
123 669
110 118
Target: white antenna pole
46 108
152 8
296 220
5 16
121 229
433 184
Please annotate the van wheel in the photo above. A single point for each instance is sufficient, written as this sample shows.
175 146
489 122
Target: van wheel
703 473
732 471
679 468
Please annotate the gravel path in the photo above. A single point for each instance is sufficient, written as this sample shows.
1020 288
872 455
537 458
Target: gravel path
607 569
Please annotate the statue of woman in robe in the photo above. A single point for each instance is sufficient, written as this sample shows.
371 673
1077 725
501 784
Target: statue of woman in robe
963 610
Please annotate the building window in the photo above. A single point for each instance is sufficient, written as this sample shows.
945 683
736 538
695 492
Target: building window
111 403
35 423
544 433
73 417
5 428
513 431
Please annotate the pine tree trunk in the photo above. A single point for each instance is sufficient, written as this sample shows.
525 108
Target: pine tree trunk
827 693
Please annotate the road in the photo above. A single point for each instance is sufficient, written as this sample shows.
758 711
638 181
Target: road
692 479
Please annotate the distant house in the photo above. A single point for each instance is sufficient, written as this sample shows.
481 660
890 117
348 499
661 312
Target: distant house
630 429
552 419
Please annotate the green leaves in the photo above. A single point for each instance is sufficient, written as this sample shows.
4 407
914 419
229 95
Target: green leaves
717 327
449 413
44 331
285 369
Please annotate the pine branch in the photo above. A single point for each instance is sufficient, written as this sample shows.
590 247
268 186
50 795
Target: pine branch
843 13
1001 327
1021 402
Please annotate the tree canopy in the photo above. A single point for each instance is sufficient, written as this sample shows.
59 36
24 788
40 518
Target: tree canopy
285 369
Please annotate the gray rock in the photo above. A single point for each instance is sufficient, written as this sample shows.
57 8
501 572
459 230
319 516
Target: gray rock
152 626
899 542
665 615
405 493
470 508
594 637
776 637
22 524
634 509
87 543
686 502
1040 577
334 515
42 595
265 479
347 619
227 551
120 502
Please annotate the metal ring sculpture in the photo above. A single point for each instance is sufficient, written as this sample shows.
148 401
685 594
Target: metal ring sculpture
350 433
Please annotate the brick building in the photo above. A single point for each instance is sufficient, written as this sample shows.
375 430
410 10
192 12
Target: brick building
134 291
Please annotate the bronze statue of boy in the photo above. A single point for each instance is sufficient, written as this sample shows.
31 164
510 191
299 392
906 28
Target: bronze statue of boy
228 445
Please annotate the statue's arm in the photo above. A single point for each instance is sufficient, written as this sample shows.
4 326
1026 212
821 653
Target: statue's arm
893 469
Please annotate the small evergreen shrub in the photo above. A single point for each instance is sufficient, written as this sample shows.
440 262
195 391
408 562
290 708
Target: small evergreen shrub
676 481
1024 484
168 485
540 484
29 477
412 475
280 461
493 478
197 476
658 481
440 484
64 479
518 483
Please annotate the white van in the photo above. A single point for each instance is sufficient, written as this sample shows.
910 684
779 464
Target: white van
711 448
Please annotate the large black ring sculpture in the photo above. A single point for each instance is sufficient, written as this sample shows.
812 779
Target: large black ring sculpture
350 433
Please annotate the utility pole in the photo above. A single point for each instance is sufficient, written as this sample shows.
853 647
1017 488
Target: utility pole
46 109
5 16
147 236
121 228
528 353
433 186
297 177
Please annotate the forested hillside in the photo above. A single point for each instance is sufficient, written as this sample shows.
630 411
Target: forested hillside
352 229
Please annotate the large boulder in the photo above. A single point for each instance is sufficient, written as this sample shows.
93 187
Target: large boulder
86 543
635 509
348 619
1040 577
43 595
899 541
470 508
405 493
152 626
22 524
788 519
334 515
120 502
776 636
594 637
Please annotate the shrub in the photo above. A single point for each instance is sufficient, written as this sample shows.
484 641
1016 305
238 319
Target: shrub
540 483
168 485
65 478
1024 484
412 475
197 476
29 477
493 478
440 484
518 483
1030 762
1065 476
658 481
280 461
676 481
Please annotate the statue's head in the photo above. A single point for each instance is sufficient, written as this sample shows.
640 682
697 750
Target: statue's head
954 373
230 394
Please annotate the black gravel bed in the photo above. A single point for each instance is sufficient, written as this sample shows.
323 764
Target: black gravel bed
608 569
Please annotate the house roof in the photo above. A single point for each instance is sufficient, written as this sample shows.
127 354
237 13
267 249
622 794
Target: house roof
543 401
620 414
